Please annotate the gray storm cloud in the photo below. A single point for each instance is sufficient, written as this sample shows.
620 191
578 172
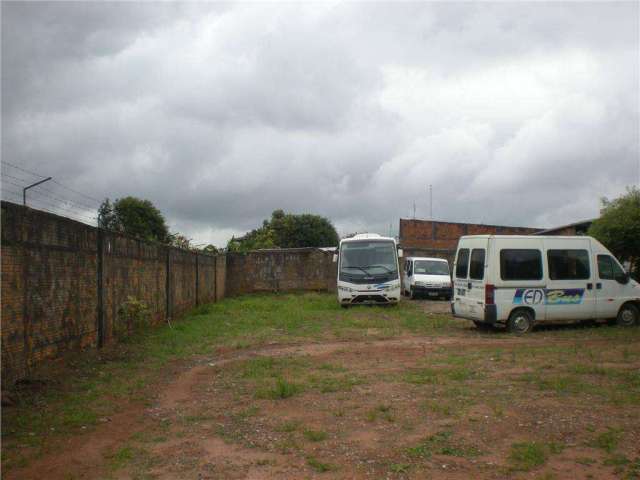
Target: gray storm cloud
521 114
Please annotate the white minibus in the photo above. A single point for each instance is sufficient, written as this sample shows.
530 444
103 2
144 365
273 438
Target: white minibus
426 276
525 280
368 270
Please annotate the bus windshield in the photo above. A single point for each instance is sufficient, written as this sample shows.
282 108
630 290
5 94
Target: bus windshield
368 261
431 267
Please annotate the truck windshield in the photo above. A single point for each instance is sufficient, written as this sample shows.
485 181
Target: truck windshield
368 261
431 267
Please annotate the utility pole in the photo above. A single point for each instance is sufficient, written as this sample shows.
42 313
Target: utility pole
24 190
430 202
414 210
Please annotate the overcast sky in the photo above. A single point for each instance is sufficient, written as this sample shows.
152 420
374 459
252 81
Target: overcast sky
517 113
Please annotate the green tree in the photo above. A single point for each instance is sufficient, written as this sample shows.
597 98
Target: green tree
180 241
210 249
106 216
286 230
135 217
618 227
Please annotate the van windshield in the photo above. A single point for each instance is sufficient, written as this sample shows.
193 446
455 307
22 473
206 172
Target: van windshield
430 267
368 261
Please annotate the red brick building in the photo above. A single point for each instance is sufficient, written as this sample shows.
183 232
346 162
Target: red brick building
439 239
427 238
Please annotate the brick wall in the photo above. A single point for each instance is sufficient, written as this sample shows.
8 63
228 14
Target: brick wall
280 270
443 236
63 283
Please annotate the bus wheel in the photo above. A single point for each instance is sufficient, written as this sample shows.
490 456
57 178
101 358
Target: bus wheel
520 322
628 315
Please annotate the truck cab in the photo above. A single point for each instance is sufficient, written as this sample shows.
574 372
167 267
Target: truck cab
426 277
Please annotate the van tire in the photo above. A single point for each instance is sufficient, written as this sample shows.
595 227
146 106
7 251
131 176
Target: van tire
344 305
412 294
628 315
520 322
482 325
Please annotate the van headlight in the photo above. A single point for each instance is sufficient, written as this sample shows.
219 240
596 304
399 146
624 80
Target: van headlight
345 289
420 284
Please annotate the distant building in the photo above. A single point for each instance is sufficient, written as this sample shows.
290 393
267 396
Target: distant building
429 238
578 228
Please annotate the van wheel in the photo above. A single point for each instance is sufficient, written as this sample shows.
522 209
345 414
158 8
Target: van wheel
628 315
344 305
520 322
412 294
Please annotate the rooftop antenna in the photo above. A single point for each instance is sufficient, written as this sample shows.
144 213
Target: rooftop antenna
430 201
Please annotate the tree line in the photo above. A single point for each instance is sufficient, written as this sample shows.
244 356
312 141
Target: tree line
618 228
142 219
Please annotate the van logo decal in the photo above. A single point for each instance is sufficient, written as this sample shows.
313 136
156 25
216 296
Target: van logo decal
528 296
548 296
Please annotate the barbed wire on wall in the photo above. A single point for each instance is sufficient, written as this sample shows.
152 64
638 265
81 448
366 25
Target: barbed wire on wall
59 199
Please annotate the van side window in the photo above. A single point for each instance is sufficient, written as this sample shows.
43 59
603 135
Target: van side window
476 268
462 263
608 268
520 264
568 264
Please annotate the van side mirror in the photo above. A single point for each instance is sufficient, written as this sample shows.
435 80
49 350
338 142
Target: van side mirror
400 253
623 279
335 258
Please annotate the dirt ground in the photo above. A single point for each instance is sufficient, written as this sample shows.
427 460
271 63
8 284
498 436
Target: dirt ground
472 405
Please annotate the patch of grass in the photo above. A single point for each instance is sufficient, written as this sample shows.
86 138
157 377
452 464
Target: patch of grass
318 466
399 468
330 367
289 426
122 457
423 376
441 443
280 390
315 435
607 441
383 411
527 455
342 383
616 460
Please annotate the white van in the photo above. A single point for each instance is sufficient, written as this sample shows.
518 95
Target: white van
368 270
426 276
525 280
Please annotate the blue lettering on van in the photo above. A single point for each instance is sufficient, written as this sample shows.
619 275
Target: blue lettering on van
528 296
554 296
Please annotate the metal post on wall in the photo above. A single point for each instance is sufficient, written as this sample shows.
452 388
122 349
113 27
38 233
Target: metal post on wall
24 190
100 302
197 280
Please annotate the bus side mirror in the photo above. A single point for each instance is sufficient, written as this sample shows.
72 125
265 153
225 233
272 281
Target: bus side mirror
335 258
400 253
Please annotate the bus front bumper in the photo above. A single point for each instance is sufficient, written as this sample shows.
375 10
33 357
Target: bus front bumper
370 297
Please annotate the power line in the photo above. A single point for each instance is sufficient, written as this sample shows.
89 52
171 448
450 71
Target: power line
54 181
74 211
65 200
22 169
